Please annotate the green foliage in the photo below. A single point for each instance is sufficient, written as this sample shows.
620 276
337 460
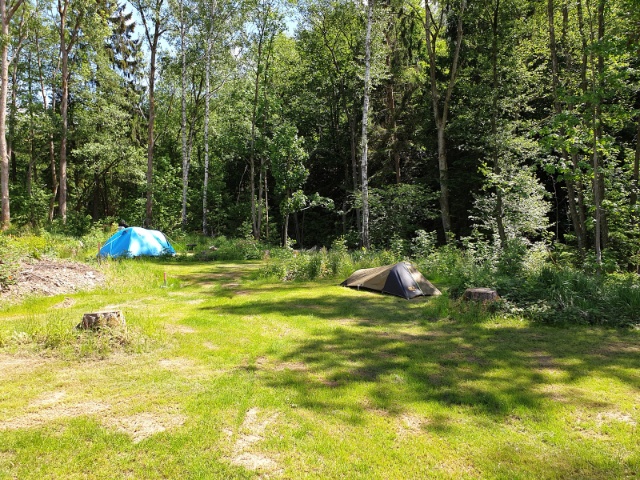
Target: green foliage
8 263
564 295
233 249
398 208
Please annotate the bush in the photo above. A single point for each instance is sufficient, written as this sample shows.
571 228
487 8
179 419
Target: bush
233 250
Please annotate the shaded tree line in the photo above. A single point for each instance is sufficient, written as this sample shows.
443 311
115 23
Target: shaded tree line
375 121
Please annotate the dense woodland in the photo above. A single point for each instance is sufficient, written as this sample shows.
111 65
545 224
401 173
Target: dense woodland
379 122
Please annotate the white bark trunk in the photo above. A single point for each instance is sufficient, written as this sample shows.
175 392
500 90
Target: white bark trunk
365 121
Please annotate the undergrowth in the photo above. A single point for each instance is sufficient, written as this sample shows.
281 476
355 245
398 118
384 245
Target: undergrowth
531 281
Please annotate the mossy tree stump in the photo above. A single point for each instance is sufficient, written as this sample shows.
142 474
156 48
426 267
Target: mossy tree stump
484 295
98 320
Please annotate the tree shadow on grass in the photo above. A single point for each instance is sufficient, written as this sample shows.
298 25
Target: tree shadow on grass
394 350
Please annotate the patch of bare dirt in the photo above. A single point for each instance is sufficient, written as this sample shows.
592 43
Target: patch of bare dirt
145 425
48 398
251 432
50 277
66 303
177 364
55 412
11 366
409 424
179 329
607 417
264 363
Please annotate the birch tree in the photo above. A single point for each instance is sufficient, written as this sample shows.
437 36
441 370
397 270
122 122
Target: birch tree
7 12
364 236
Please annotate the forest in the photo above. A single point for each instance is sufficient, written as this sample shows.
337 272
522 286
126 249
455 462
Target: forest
297 123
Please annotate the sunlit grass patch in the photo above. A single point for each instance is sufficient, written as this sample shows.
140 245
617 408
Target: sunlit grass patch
228 375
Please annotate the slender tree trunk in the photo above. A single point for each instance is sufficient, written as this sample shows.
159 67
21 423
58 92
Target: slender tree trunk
636 171
153 38
597 82
65 50
266 207
6 13
183 81
12 119
64 107
32 133
442 116
391 108
206 138
578 227
494 123
148 222
252 158
51 145
365 125
604 224
285 233
5 216
354 165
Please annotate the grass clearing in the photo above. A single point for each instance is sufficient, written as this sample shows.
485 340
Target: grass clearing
222 375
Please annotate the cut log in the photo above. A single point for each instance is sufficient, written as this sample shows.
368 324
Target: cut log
98 320
480 294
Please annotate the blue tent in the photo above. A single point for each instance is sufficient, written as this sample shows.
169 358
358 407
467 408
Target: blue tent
136 242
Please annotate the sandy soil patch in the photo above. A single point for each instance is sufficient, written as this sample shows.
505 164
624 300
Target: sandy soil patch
264 363
211 346
251 432
145 425
177 364
43 416
183 329
240 293
66 303
189 368
612 415
48 277
293 366
48 398
409 424
11 366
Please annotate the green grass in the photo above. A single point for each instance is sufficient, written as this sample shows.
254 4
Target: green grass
222 375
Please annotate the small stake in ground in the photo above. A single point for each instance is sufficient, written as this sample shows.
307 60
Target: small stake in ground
165 280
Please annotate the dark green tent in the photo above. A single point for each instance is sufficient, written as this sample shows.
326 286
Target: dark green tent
401 279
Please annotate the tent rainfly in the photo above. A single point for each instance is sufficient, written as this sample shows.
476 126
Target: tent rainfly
136 242
401 279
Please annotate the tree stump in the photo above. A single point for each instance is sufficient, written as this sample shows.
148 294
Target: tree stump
484 295
98 320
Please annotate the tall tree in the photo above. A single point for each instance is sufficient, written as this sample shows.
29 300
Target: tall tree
7 11
267 23
72 15
364 236
437 16
155 23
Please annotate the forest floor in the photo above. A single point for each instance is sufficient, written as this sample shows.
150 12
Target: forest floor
221 375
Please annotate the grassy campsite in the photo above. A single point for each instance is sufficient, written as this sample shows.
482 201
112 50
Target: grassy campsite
323 239
267 368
